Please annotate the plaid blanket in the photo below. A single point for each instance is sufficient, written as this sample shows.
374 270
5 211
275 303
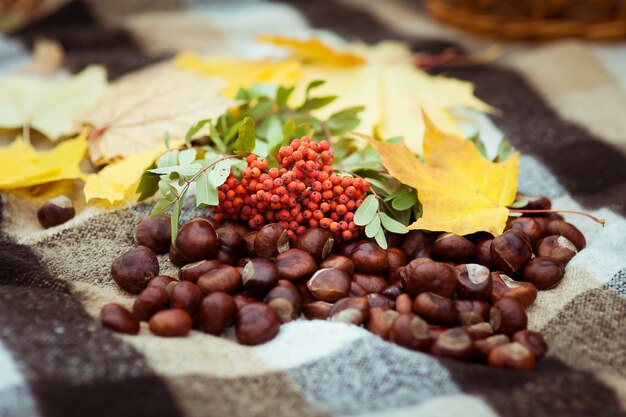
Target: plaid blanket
562 105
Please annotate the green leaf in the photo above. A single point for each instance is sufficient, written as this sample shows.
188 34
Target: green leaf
392 225
220 172
303 129
206 193
233 131
504 150
166 139
242 94
366 211
372 228
195 129
272 162
261 149
289 127
261 90
405 200
515 214
312 85
166 188
187 156
275 136
261 110
518 204
316 103
282 96
344 121
161 206
216 138
168 159
381 239
186 170
479 145
148 185
246 140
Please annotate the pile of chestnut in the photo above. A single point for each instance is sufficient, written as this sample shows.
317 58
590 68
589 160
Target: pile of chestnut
455 297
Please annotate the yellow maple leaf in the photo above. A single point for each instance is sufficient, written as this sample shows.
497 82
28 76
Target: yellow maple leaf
314 51
460 191
117 182
24 166
49 105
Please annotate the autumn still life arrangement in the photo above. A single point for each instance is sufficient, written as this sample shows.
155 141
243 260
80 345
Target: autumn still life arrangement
338 185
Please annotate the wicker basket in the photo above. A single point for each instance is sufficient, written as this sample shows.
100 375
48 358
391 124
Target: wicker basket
535 19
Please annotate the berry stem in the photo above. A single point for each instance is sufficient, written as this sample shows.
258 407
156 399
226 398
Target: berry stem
595 219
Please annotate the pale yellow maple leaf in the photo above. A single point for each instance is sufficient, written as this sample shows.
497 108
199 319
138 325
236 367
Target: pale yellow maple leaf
24 166
314 51
137 111
49 105
460 191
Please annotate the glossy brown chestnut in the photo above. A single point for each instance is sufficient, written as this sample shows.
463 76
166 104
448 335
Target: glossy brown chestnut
217 311
132 270
411 332
392 291
243 299
379 301
536 202
271 240
453 248
510 251
543 272
482 347
338 262
191 272
354 310
404 304
453 344
420 276
259 276
504 286
248 240
511 356
369 258
316 310
176 258
508 316
149 302
161 281
224 278
285 301
154 233
483 251
370 283
380 321
117 318
557 247
186 296
196 240
473 281
418 244
56 211
356 290
396 258
229 241
256 324
329 284
479 331
471 311
571 232
532 341
435 309
170 323
294 264
317 242
528 225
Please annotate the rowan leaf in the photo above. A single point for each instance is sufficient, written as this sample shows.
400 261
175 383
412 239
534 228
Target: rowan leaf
366 211
246 140
206 193
460 191
392 225
372 228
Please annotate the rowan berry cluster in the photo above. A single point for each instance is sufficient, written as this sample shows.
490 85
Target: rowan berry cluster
303 192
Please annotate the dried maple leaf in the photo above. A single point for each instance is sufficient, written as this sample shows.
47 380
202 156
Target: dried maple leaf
312 50
460 191
137 110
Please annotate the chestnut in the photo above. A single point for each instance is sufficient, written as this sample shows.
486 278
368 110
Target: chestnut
316 310
418 244
528 226
435 309
508 316
504 286
132 270
259 276
294 264
117 318
197 240
161 281
380 321
329 284
271 240
510 251
338 262
285 301
229 241
453 344
479 331
482 347
568 230
538 202
404 304
370 283
354 310
357 290
217 311
411 332
316 242
557 247
170 323
243 299
176 258
511 356
483 251
532 341
396 258
543 272
453 248
224 278
392 291
154 233
420 276
368 257
248 240
56 211
191 272
186 296
256 324
346 248
471 311
473 281
149 302
379 301
303 290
